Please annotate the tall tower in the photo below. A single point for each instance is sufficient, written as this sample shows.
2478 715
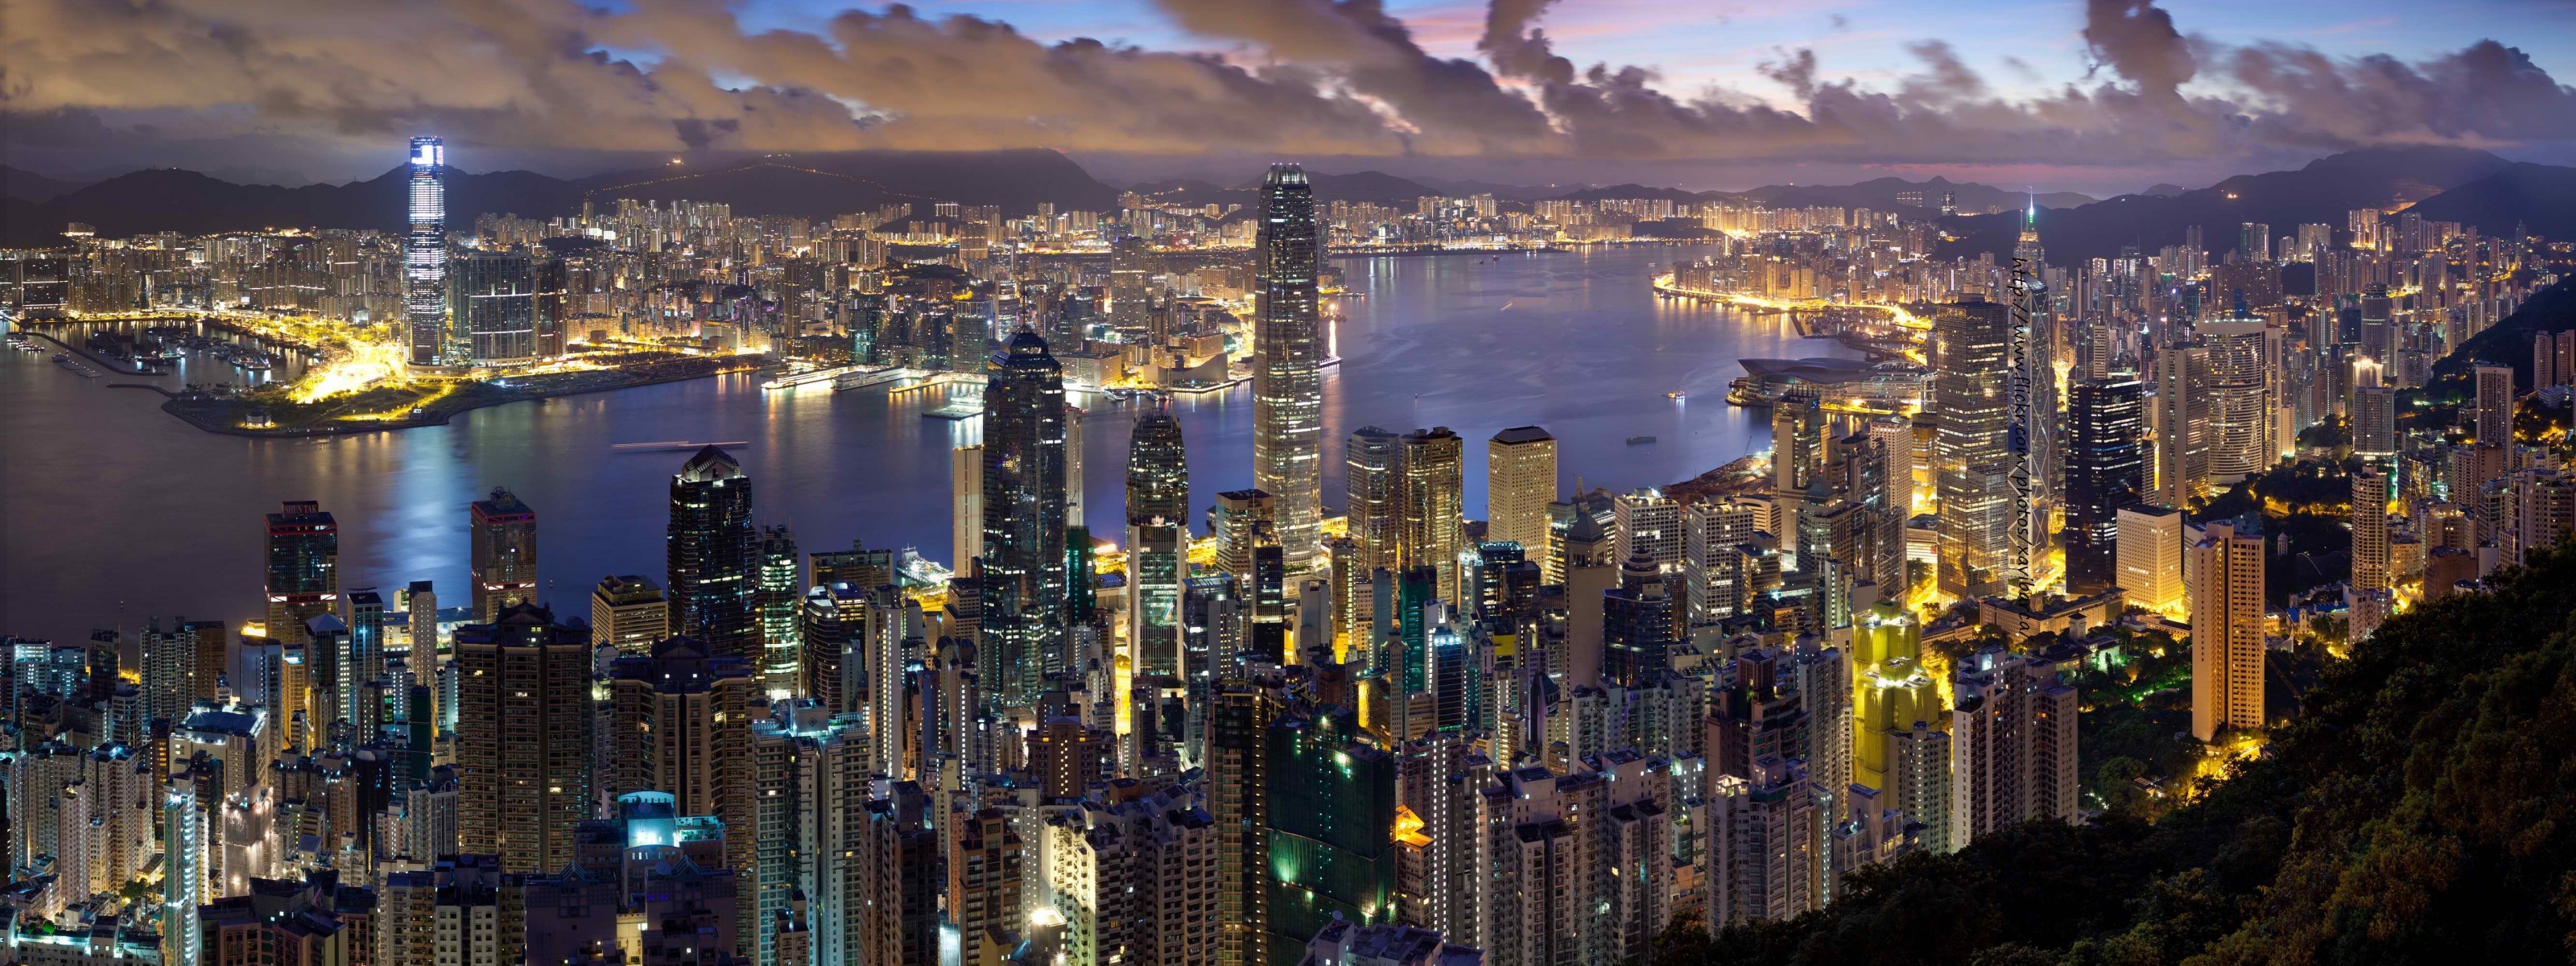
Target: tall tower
2225 570
1287 360
1432 517
680 723
425 251
778 605
1158 504
711 544
1520 481
504 554
2104 472
1971 460
523 738
2239 399
1158 475
2495 404
2370 531
303 568
1372 497
1024 520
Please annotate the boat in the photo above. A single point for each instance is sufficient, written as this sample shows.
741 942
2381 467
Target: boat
1676 395
1640 440
672 444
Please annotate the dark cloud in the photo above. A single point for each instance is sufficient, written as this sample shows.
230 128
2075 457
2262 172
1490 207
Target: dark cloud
1337 78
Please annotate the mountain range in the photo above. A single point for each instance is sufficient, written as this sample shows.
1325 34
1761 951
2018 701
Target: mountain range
2468 186
2448 184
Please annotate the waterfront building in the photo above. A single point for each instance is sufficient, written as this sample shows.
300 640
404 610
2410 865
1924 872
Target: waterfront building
523 737
965 510
1158 472
425 252
2225 569
501 554
712 554
1287 364
1023 572
1520 482
492 302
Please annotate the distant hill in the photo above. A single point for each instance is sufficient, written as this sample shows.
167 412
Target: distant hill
28 186
1377 186
2321 192
2539 198
1622 191
1880 194
1506 192
816 185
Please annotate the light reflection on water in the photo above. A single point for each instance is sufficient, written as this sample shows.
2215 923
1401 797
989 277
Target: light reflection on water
110 502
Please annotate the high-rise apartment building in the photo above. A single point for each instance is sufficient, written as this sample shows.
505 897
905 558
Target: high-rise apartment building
680 724
523 737
2370 569
1896 714
1287 363
303 569
2105 473
1971 458
425 252
2012 745
2495 404
502 554
2374 423
1023 575
2225 569
1648 523
1520 481
711 546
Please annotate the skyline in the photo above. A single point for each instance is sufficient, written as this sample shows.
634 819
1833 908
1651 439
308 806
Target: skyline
2107 97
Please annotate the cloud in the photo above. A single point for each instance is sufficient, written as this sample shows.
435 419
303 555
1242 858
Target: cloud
1305 77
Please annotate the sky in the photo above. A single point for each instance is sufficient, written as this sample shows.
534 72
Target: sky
2100 96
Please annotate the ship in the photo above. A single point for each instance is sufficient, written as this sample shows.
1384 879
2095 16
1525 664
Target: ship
1640 440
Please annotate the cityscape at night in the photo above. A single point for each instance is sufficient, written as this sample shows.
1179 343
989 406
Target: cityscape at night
1287 483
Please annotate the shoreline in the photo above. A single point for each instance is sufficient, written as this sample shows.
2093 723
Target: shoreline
211 417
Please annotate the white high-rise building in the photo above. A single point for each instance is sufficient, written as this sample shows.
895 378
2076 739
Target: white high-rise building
2149 555
425 252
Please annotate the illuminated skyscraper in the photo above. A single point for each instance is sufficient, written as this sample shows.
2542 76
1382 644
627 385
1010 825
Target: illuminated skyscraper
1372 498
303 568
1520 481
711 547
2105 471
2370 531
493 303
680 723
2225 570
2149 559
2495 404
2181 417
777 603
425 252
1287 358
628 613
503 554
1433 503
1024 520
1896 711
2239 399
1972 462
1158 474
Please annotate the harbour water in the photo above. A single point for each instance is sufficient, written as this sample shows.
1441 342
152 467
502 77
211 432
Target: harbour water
112 511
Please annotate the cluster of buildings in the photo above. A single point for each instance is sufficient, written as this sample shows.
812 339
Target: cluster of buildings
1268 735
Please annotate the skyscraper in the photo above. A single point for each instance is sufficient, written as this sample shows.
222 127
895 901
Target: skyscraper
1520 481
425 252
711 547
2225 570
629 614
2239 399
1287 358
2495 404
1372 497
2149 557
1971 460
680 723
303 568
503 554
1024 520
778 603
2370 531
2181 417
1433 503
1158 474
2105 471
493 304
523 737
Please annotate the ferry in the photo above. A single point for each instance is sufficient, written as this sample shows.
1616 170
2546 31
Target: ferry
1640 440
1676 395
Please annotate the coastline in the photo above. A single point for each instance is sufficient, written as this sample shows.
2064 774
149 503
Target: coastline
223 416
